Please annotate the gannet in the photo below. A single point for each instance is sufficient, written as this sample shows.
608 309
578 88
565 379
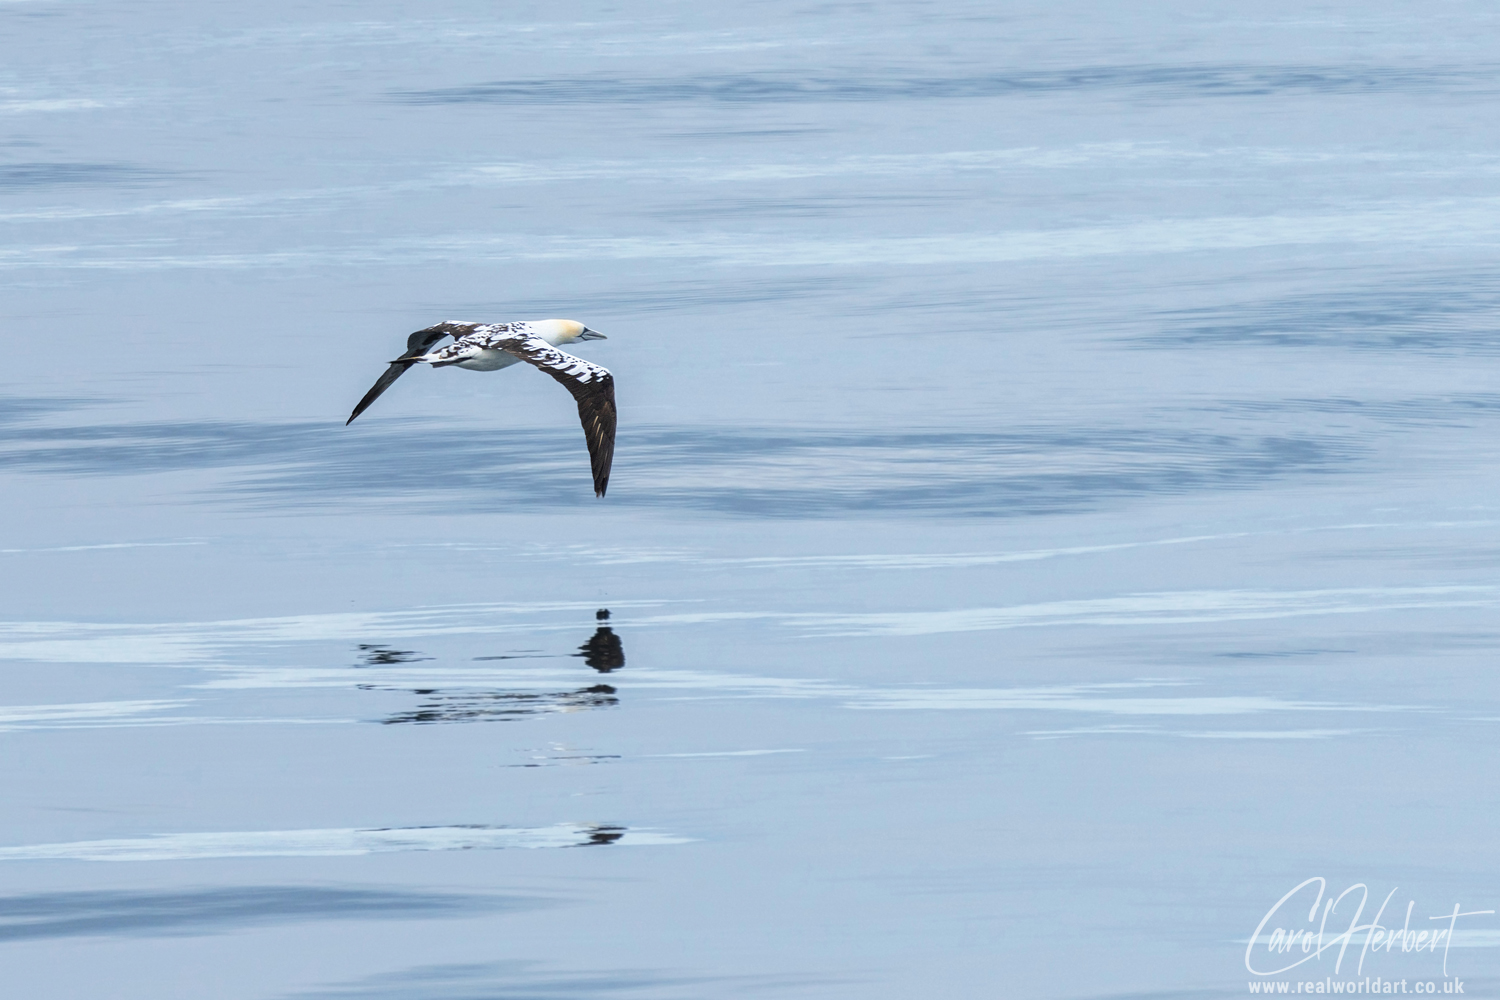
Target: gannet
485 347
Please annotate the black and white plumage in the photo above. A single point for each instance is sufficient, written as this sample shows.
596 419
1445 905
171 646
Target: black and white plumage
487 347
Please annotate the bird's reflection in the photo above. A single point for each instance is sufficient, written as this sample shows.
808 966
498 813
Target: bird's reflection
604 651
502 706
376 655
602 835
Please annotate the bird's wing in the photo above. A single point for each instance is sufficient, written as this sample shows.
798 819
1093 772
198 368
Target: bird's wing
591 385
417 344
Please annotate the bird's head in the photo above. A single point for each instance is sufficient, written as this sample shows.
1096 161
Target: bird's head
565 331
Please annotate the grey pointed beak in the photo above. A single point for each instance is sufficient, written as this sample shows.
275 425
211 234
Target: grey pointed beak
588 334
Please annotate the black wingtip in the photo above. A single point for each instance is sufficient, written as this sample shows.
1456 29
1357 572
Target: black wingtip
392 372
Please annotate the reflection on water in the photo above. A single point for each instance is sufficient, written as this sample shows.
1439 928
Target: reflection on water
603 835
502 706
567 759
604 651
374 655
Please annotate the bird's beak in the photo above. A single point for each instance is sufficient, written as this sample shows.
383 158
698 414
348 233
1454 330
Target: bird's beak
588 334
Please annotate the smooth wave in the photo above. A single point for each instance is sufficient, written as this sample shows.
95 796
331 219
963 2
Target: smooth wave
19 107
623 556
127 913
1098 699
82 714
46 174
337 842
1447 222
520 980
184 643
710 172
727 753
104 546
1170 608
133 715
1441 312
1209 734
791 472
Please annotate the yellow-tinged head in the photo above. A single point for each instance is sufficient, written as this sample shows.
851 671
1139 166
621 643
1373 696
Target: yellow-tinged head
564 331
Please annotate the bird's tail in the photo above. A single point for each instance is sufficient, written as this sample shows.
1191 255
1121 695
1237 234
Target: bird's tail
450 355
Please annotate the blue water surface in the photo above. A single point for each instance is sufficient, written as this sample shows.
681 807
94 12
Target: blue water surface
1054 515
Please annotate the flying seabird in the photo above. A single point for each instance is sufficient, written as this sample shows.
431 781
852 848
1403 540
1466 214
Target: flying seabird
485 347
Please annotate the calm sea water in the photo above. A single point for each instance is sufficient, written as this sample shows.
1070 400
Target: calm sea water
1055 512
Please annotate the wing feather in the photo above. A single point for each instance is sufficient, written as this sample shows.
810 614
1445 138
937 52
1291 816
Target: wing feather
417 344
591 385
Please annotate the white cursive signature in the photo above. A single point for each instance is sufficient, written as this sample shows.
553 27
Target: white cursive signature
1377 937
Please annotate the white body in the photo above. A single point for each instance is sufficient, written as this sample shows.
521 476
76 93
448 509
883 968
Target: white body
556 332
488 361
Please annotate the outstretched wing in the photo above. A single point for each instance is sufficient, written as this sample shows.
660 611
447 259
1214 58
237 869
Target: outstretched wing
417 344
591 385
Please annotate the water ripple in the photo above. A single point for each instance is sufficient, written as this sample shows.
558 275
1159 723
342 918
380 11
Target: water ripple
1204 81
759 473
30 175
210 911
1431 313
1170 608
